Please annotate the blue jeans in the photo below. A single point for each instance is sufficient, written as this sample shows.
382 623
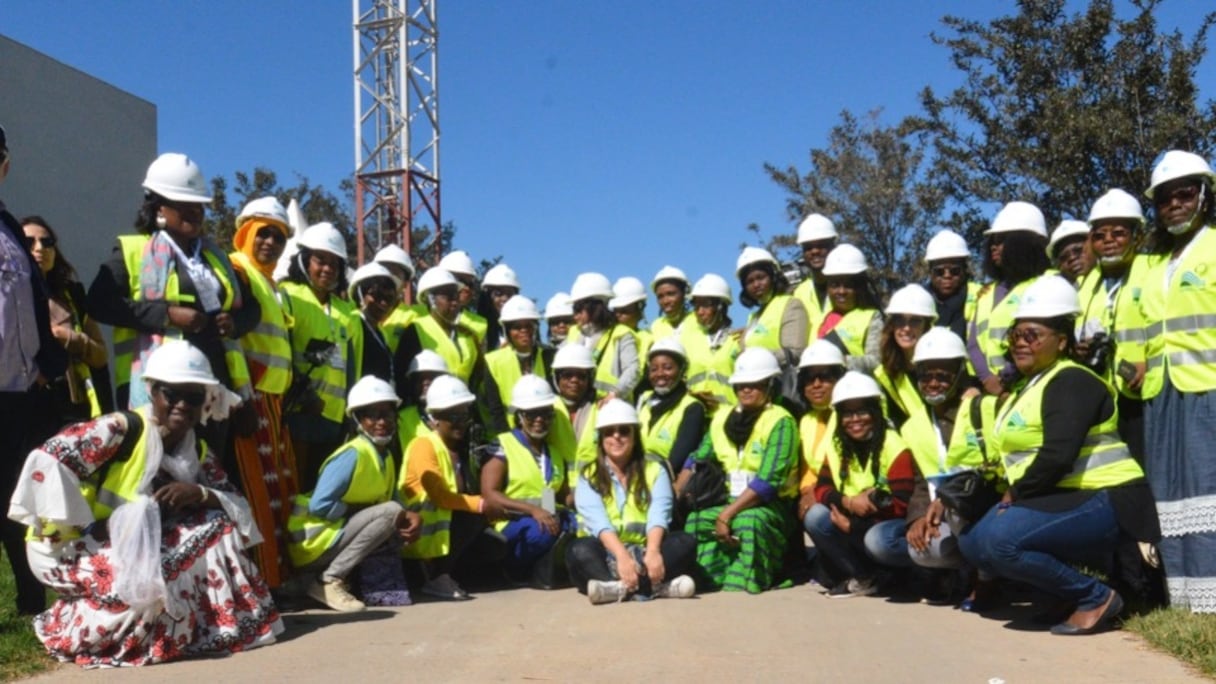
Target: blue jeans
1036 547
527 541
887 544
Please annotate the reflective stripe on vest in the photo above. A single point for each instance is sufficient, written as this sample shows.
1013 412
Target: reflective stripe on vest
993 320
268 344
606 351
748 459
709 368
458 348
312 322
629 520
435 540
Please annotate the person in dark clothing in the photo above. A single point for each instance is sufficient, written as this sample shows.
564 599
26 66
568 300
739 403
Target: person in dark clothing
950 282
376 292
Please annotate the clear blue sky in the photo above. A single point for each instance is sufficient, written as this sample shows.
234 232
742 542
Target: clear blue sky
610 136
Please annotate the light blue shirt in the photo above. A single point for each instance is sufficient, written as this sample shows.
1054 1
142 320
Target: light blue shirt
593 516
333 482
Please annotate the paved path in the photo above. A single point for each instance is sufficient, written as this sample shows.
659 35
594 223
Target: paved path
788 635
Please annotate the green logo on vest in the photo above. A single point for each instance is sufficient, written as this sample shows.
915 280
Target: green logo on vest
1015 421
1189 279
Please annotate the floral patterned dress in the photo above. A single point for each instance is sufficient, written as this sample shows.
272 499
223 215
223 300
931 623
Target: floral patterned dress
219 603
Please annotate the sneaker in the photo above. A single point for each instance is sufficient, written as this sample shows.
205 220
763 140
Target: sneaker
444 587
335 595
605 592
680 587
853 587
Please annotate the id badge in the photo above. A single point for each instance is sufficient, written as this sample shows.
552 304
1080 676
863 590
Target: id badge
932 490
335 357
548 501
208 295
738 482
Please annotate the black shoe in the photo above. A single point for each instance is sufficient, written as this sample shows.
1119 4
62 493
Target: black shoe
1113 607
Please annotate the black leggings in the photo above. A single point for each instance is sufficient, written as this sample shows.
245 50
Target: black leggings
587 559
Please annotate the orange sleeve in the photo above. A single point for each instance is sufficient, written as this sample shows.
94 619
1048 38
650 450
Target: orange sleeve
422 474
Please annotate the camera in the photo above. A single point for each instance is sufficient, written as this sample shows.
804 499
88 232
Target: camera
1101 346
881 498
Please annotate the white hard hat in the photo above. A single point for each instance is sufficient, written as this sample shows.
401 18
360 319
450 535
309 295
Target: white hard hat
179 362
626 291
370 390
939 344
845 260
447 391
295 217
559 306
393 254
1179 164
754 365
1047 297
500 275
712 285
670 346
458 263
323 237
177 178
821 353
573 356
519 308
1017 216
912 300
368 271
616 412
855 385
1067 228
269 208
816 227
669 273
591 286
428 361
435 277
753 255
1116 204
947 244
531 392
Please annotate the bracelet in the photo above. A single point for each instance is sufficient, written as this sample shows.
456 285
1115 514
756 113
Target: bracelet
205 492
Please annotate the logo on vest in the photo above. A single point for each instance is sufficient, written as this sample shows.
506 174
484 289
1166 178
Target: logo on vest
1015 421
1190 279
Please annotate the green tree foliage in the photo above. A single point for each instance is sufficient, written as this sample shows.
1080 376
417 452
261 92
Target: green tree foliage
870 181
1057 108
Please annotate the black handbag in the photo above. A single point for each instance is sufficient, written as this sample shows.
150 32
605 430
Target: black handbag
706 488
972 492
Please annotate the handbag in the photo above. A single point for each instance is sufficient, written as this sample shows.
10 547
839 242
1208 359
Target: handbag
706 488
971 493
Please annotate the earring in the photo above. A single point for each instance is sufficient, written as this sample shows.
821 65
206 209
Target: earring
160 221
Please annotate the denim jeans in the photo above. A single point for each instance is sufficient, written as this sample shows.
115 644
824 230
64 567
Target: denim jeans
887 544
842 551
1036 547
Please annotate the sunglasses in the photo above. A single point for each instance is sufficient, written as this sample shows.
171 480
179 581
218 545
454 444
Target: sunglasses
511 327
273 234
47 242
1028 335
820 376
571 374
378 413
1184 194
536 414
617 431
756 386
1104 234
947 271
498 292
853 414
902 321
174 396
938 376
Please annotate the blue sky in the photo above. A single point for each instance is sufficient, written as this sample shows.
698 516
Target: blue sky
576 136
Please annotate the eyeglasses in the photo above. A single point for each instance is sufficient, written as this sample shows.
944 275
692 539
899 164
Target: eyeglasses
174 395
499 292
533 415
1184 194
853 414
818 244
939 376
383 293
902 321
947 271
451 416
1071 251
512 327
377 413
617 431
1030 336
582 305
273 234
751 386
1104 234
809 376
573 374
47 242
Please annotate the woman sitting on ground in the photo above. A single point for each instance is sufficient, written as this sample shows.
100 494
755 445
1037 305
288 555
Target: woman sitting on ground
624 502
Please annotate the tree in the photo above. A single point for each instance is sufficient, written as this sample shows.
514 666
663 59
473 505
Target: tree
870 181
1056 109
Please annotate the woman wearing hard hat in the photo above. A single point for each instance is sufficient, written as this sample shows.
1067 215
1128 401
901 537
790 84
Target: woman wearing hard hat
574 378
624 501
866 478
1014 255
559 317
521 356
613 345
435 483
853 322
499 285
710 344
1070 250
672 419
399 263
819 369
954 291
355 511
90 496
1074 486
263 452
741 545
441 330
628 305
817 238
779 322
423 370
376 292
460 265
670 287
526 475
326 347
1177 300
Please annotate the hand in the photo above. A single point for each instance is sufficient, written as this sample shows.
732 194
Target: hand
805 502
187 319
492 511
840 520
916 534
968 394
409 526
993 386
860 505
655 569
224 324
175 496
546 520
62 333
723 534
627 568
1135 383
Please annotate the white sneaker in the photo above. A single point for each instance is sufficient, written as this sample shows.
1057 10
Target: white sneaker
680 587
335 595
444 587
605 592
853 588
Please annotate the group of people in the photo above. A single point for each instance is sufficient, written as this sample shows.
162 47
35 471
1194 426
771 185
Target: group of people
318 436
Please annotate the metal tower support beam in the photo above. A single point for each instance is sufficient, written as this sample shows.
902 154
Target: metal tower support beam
396 125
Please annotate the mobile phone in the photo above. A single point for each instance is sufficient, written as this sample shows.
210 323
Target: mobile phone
1126 370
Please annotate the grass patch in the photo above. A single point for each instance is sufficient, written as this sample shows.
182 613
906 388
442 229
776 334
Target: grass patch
21 654
1187 636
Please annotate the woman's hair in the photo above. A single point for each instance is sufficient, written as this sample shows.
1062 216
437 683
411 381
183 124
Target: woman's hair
894 361
1066 326
600 477
61 273
296 272
145 220
1023 256
601 317
1161 241
854 451
780 282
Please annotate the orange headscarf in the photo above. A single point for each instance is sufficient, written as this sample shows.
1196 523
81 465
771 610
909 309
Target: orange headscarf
243 241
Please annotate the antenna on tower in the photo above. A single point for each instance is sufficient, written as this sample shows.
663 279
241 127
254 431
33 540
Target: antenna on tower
396 126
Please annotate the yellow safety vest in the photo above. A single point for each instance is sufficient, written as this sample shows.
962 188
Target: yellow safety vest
1104 460
525 481
1130 333
476 323
397 321
661 328
582 447
458 348
859 479
852 329
133 247
409 425
435 539
659 438
764 326
815 311
269 344
605 353
709 368
339 326
992 322
371 483
80 368
629 520
747 458
918 431
813 447
645 342
964 450
503 365
1179 312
